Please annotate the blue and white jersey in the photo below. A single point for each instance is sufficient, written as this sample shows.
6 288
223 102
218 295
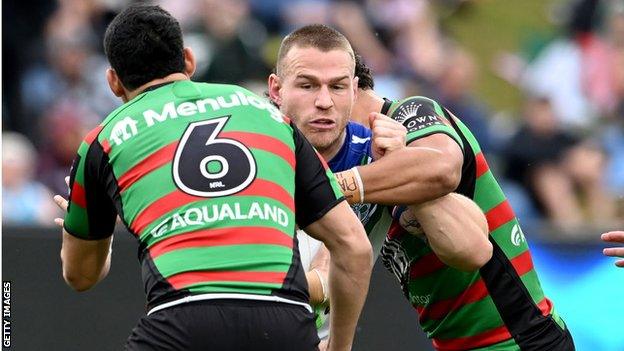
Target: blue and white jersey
355 151
376 219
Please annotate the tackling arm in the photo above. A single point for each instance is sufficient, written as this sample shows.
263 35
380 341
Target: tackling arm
429 168
456 230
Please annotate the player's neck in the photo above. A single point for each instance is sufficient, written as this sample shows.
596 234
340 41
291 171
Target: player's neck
170 78
367 101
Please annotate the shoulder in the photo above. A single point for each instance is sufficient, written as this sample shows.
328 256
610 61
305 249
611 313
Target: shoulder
415 106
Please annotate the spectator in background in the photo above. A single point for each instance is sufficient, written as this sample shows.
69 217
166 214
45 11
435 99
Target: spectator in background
63 128
24 200
235 40
556 167
455 90
72 73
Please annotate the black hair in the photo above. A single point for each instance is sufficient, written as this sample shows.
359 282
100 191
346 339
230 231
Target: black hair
366 81
144 43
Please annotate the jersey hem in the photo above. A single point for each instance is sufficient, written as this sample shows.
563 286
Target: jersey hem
217 296
70 232
432 133
324 211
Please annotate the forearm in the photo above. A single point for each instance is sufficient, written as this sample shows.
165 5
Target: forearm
349 277
85 263
456 230
411 175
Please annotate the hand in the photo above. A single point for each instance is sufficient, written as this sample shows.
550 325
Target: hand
62 203
388 134
408 221
614 237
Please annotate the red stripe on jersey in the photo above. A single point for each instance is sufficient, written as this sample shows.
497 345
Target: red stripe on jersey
106 146
522 263
545 306
395 230
489 337
147 165
263 142
221 237
499 215
437 310
261 187
325 165
159 207
93 134
177 198
475 292
78 195
182 280
482 165
427 264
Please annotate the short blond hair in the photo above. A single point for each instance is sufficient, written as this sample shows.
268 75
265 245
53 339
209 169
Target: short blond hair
317 36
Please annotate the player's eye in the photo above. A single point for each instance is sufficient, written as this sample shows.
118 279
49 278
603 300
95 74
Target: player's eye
305 86
338 87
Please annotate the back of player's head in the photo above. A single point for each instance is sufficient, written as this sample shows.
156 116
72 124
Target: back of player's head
318 36
144 43
366 81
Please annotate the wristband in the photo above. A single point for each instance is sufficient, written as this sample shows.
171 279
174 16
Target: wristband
358 179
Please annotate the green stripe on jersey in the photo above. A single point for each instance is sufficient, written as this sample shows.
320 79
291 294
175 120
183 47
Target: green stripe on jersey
491 197
220 219
448 130
249 258
433 284
233 287
466 321
334 183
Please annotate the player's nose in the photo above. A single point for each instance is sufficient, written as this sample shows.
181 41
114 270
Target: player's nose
323 99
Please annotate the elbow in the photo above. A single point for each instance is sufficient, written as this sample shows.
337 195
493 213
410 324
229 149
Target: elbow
449 176
357 249
78 283
478 257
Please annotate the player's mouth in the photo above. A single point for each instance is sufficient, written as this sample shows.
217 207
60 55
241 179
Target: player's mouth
322 124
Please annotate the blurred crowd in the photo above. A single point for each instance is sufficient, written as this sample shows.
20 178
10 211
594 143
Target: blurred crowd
559 155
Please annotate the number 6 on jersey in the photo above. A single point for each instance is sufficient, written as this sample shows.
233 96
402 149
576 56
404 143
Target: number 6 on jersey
208 166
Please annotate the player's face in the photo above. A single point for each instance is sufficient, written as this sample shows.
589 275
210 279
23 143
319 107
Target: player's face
317 90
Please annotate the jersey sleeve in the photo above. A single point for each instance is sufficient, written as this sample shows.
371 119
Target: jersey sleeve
316 188
422 117
91 212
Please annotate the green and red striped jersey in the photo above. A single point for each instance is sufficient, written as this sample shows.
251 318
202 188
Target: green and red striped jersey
207 177
501 303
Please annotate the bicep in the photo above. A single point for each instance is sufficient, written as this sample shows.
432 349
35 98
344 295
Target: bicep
91 212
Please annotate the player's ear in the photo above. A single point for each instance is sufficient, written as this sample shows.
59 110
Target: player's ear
189 62
355 87
114 83
275 85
